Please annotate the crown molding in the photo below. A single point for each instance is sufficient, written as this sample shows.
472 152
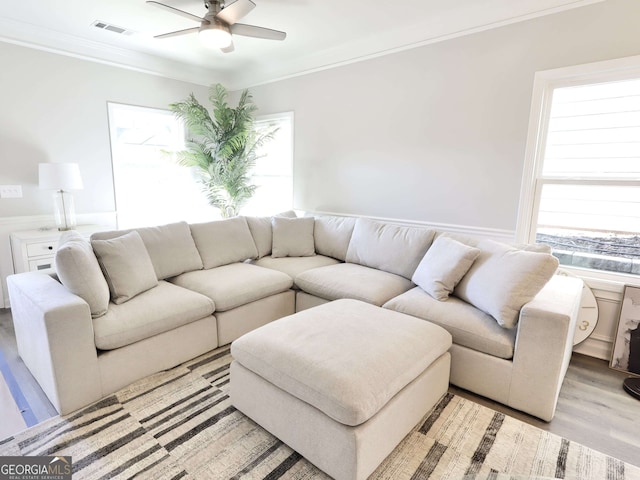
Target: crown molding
31 36
361 50
257 73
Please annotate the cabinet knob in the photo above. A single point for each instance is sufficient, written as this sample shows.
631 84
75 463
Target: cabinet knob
50 247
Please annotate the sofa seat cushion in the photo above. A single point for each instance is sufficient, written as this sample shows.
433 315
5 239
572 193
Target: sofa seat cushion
346 358
348 280
469 326
234 285
155 311
293 266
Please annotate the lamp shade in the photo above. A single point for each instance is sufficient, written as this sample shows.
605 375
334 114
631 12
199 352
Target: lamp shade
59 176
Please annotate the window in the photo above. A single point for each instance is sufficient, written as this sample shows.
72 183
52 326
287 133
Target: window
581 193
152 189
273 173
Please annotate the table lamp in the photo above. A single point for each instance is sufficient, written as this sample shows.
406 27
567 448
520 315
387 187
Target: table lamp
61 177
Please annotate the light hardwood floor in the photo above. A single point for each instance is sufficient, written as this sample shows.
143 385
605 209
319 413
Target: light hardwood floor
593 409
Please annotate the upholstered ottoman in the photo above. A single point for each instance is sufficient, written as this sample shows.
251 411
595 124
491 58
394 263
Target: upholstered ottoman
341 383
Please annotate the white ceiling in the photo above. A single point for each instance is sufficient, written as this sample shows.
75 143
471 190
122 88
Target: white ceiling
320 33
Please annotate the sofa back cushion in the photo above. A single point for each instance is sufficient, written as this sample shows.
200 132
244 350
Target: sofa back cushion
503 278
262 232
126 265
222 242
170 247
79 271
332 235
391 248
292 237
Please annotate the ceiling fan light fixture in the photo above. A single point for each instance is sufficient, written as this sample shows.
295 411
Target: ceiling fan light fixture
215 35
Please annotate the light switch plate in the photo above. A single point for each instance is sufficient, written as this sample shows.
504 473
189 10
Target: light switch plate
10 191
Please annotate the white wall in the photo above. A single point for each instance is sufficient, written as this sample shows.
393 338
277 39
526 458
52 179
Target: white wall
53 108
438 133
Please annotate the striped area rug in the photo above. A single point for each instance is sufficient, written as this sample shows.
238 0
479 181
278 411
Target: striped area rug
180 424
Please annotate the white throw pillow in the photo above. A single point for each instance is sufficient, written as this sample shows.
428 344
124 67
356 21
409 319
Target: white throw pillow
443 266
222 242
262 233
126 266
503 279
79 271
170 247
293 237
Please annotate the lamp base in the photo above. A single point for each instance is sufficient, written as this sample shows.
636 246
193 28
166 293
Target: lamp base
631 385
64 210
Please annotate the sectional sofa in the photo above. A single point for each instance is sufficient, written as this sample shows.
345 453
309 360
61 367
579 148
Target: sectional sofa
132 303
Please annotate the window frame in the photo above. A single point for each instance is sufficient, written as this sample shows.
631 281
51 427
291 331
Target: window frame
289 115
545 82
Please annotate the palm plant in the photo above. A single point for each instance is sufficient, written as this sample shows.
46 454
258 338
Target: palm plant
222 147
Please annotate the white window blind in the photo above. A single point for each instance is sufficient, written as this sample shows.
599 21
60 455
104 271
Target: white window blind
588 187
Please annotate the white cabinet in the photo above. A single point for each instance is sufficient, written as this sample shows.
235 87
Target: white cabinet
34 250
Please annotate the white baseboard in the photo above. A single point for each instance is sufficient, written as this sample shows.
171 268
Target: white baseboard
596 346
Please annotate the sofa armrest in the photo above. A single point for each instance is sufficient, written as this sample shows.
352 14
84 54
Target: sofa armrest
544 343
54 333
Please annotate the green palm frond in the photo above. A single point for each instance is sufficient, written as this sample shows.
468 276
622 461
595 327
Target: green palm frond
223 147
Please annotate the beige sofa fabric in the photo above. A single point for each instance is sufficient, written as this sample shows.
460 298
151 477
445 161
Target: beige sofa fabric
231 286
503 279
391 350
126 266
469 326
388 247
443 266
342 451
155 311
79 271
348 280
292 237
262 233
222 242
332 235
170 247
293 266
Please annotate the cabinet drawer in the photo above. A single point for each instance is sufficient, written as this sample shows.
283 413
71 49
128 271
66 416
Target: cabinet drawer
42 264
41 248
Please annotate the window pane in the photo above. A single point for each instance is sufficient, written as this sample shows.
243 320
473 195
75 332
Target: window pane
592 226
150 187
594 131
589 205
273 172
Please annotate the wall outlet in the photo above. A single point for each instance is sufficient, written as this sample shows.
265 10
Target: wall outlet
10 191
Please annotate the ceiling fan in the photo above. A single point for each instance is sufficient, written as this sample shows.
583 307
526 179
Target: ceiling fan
220 23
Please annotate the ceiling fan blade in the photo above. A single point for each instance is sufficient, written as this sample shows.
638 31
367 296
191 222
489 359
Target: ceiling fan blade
257 32
228 49
235 11
178 32
175 10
